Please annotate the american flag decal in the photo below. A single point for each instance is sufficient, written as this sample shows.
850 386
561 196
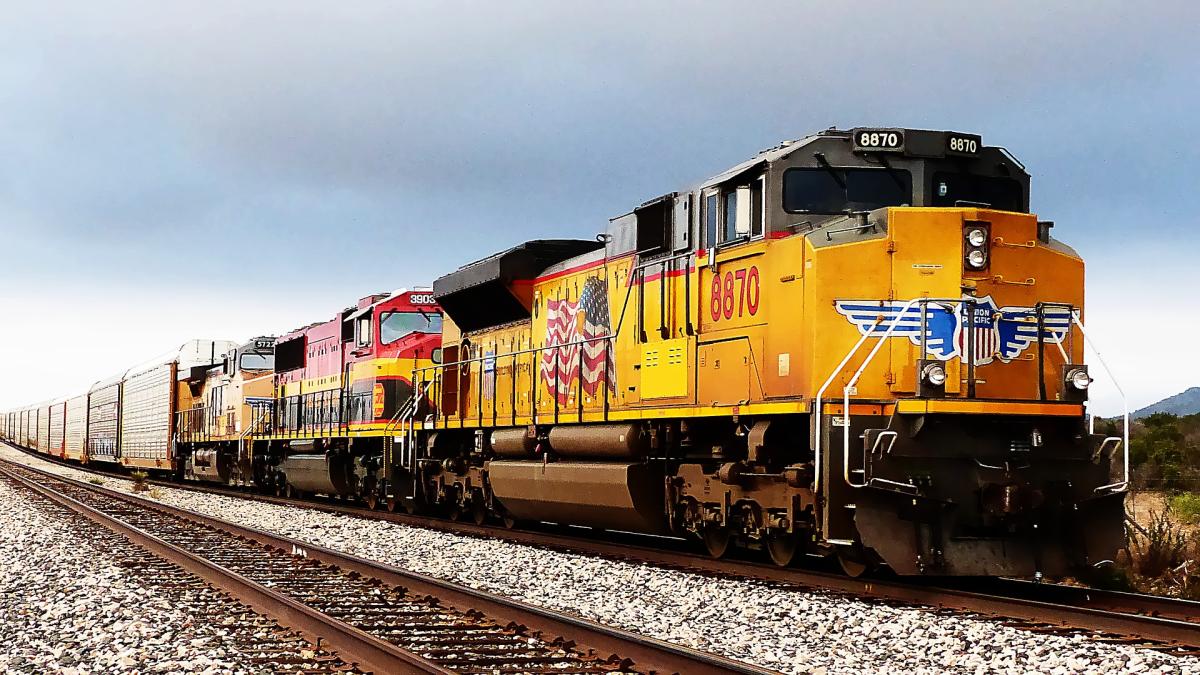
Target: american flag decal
569 324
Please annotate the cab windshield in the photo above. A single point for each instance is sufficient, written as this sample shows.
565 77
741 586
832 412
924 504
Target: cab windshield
997 192
395 325
252 361
833 190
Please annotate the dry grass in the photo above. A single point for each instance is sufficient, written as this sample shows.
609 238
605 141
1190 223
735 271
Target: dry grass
1163 550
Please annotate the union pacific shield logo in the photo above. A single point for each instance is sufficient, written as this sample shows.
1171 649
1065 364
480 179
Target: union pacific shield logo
1002 333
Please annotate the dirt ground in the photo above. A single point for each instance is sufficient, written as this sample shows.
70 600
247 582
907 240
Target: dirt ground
1142 504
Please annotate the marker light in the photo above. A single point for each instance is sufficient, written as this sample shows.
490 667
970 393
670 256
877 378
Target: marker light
977 259
977 237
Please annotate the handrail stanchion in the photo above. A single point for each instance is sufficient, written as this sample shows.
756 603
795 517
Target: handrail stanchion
1124 405
854 380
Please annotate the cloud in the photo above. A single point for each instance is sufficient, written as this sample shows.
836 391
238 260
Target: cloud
342 149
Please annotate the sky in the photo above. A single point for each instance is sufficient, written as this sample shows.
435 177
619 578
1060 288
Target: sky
229 169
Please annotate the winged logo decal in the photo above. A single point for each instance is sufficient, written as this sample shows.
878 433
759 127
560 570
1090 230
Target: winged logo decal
1002 333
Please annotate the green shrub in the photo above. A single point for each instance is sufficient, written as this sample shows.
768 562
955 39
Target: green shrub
1186 506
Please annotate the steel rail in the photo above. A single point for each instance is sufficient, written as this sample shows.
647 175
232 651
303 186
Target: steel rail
351 644
643 653
1172 622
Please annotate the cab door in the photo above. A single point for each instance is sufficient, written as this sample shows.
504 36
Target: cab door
664 279
731 349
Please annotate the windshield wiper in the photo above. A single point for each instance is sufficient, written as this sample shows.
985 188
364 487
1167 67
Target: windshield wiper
895 175
820 156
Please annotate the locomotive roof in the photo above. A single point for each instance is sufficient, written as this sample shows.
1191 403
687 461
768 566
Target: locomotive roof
914 143
523 261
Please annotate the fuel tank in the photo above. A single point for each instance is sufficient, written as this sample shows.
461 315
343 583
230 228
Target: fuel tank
329 474
599 441
615 496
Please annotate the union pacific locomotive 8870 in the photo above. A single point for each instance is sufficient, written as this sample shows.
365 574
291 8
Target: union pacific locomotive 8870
860 344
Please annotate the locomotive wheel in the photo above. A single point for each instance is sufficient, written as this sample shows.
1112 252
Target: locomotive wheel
717 540
782 548
855 562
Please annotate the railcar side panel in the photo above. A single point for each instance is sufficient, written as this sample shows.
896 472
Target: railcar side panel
75 428
103 432
43 428
146 417
57 428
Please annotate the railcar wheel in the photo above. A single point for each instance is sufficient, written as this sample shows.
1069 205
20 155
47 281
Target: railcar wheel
717 540
782 548
479 512
391 504
509 521
372 500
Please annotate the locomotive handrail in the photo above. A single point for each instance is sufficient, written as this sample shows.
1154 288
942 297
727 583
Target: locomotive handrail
820 408
854 380
420 373
871 332
1124 483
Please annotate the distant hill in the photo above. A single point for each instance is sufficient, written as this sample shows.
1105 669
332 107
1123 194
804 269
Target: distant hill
1183 403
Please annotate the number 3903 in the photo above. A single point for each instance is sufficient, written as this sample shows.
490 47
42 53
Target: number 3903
735 293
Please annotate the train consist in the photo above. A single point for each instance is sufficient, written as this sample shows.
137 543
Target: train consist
860 344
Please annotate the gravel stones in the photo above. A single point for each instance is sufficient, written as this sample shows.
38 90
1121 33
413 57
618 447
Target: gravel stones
759 622
66 607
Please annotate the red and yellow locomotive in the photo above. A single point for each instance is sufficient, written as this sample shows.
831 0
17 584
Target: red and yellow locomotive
338 388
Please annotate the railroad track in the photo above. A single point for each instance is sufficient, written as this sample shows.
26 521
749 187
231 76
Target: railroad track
266 646
379 618
1170 625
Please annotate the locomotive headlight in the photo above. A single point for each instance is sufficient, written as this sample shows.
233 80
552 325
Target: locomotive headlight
975 239
1079 379
1075 382
935 374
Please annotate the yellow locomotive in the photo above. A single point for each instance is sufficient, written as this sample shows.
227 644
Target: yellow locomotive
858 344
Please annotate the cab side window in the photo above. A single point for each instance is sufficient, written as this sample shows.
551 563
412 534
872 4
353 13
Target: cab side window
363 334
712 201
734 213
